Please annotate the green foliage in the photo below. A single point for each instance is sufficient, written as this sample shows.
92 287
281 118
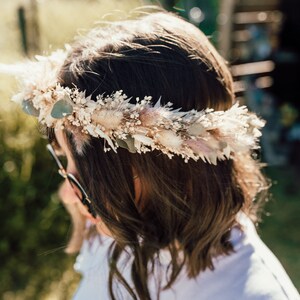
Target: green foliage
34 226
209 9
280 230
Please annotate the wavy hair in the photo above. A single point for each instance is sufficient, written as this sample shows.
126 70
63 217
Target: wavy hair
186 208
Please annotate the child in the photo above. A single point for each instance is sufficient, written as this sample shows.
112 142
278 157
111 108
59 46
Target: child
160 172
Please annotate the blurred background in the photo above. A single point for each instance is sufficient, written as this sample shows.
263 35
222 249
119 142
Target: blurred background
260 40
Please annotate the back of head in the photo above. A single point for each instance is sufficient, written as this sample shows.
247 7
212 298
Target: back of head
186 207
159 55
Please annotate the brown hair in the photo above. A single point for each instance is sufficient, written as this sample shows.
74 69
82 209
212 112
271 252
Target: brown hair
187 208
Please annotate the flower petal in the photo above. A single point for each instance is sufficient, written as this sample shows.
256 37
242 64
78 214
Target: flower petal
169 139
109 119
143 139
196 129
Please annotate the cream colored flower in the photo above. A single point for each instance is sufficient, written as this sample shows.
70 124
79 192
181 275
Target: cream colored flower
207 134
169 139
196 129
109 119
150 117
142 139
198 146
18 98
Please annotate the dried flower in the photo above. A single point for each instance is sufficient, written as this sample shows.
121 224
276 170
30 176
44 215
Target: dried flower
138 126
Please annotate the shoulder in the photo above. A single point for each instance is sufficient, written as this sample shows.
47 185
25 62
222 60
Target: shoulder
263 276
92 263
251 272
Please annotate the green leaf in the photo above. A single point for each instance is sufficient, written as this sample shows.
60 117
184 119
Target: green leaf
61 109
127 144
29 109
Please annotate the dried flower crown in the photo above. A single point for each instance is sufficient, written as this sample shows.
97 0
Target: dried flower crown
140 127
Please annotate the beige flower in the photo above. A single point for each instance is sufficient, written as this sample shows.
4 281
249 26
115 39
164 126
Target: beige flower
150 117
140 139
109 119
196 129
169 139
199 146
141 126
18 98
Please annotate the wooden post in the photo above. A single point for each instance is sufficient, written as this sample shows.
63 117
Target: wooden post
29 27
23 31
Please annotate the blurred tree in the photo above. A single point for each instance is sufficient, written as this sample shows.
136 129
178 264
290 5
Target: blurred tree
201 13
34 226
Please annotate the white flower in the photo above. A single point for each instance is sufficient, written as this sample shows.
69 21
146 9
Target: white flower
196 129
212 158
199 146
91 130
18 98
169 139
226 152
207 134
256 133
213 143
143 139
256 122
150 117
109 119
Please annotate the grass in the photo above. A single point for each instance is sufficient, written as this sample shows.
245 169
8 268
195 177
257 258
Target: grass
280 226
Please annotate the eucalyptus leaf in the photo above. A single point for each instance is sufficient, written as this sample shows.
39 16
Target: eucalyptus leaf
29 109
128 144
61 109
121 144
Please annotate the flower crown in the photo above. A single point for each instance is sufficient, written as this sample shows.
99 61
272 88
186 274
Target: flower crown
141 126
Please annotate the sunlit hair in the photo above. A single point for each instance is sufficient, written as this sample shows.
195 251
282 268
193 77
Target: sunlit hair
186 208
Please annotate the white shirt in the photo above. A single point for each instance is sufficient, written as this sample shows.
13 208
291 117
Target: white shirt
252 272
